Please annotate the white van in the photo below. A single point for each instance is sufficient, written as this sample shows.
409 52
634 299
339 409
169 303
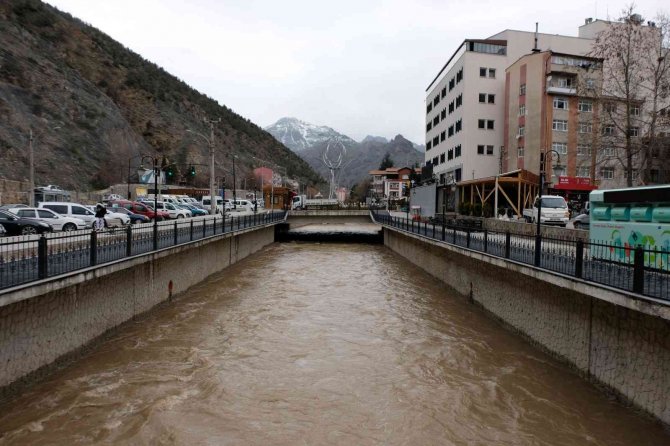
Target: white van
245 205
73 210
207 203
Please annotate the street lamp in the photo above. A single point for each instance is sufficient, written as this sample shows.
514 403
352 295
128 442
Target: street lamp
31 194
154 162
549 156
210 143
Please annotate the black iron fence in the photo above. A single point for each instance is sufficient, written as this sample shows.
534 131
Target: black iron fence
30 258
642 270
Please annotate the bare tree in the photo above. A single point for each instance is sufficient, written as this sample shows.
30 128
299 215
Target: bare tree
634 67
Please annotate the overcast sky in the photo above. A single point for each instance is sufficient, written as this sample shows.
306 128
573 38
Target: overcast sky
359 66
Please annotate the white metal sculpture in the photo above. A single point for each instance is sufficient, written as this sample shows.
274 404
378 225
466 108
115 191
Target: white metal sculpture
334 165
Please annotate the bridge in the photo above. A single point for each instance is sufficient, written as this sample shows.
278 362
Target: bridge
609 320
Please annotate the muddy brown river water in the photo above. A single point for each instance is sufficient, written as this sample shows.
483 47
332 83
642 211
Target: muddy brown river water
320 344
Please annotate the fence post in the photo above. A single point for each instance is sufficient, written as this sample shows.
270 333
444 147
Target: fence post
579 259
42 253
486 240
204 228
467 238
508 244
129 241
443 231
214 225
433 230
155 229
176 241
638 270
94 248
454 238
538 250
191 230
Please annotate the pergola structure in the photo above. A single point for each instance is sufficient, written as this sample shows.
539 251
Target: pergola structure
516 189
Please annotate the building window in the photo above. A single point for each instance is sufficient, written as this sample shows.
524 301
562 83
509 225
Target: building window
444 92
429 145
429 108
607 173
634 132
450 154
480 149
429 126
635 110
522 90
459 75
560 147
559 125
560 103
608 130
451 107
610 107
459 100
436 161
443 113
607 151
457 151
492 73
489 150
585 106
451 130
481 123
452 84
436 120
485 124
522 131
436 141
522 110
436 100
564 82
590 84
482 98
492 99
584 171
519 152
459 125
442 158
482 72
585 127
584 149
489 124
443 136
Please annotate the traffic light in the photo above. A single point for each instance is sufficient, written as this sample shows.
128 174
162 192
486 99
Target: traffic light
191 172
169 172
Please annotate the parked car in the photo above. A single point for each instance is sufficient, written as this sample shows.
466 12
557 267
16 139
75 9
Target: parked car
113 219
143 208
74 210
244 204
57 221
3 231
196 212
173 210
581 221
12 206
15 225
134 218
111 197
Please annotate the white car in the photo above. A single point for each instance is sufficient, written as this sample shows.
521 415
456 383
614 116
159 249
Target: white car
173 210
113 219
58 222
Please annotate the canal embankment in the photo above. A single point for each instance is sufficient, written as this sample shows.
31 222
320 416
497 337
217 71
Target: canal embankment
617 339
45 323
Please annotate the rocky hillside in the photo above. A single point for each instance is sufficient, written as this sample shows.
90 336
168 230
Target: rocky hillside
93 104
310 142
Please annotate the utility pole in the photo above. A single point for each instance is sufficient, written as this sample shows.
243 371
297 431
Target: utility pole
212 190
31 192
234 185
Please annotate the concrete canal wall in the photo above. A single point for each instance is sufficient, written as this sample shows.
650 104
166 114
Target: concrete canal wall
44 322
617 339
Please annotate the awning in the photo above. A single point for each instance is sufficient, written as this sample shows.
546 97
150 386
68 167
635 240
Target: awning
574 183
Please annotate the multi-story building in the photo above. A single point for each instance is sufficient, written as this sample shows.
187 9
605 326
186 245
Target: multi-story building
552 106
465 102
392 182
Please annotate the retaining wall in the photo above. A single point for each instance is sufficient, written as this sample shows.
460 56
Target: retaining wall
53 319
617 339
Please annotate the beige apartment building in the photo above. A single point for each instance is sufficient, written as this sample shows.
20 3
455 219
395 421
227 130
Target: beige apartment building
552 106
465 112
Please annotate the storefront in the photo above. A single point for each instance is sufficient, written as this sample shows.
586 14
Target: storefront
575 190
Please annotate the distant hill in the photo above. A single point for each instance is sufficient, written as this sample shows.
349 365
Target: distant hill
310 142
92 104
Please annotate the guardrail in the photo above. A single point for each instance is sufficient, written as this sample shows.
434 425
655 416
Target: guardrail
30 258
639 269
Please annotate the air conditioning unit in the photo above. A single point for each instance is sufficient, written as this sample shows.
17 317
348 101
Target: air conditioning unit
519 136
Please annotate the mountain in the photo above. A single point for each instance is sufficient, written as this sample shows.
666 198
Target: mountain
93 107
298 135
357 159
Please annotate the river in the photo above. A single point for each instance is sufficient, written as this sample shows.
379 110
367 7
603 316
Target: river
320 344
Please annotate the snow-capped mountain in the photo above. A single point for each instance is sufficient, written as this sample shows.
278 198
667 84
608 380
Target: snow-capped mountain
298 135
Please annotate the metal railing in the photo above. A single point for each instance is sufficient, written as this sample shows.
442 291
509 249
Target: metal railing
642 270
30 258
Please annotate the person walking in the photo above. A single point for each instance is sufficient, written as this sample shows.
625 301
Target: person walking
100 212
